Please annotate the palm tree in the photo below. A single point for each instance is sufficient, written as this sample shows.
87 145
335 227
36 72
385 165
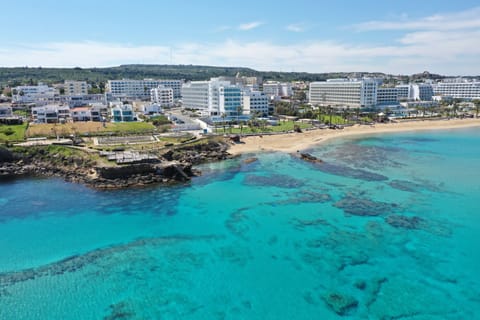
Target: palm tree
357 114
455 108
319 110
223 116
477 107
346 113
330 112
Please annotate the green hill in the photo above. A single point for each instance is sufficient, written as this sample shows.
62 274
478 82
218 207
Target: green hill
28 75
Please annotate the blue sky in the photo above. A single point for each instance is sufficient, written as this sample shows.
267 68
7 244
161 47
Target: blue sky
399 37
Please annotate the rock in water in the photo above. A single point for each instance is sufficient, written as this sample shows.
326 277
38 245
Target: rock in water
405 222
308 157
250 160
340 303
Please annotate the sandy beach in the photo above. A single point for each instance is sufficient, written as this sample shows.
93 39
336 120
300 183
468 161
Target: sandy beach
291 142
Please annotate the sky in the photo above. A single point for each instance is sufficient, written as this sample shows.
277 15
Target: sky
396 37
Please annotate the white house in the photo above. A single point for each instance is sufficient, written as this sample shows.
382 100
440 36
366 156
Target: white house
50 114
151 109
122 113
81 114
6 112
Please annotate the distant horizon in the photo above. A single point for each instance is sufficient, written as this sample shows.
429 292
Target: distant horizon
346 36
234 67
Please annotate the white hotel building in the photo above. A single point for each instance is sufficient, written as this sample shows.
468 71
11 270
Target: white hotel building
255 102
30 94
213 97
344 92
162 96
140 89
458 88
366 93
275 89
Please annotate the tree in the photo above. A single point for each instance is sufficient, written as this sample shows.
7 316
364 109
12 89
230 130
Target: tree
477 107
455 108
223 116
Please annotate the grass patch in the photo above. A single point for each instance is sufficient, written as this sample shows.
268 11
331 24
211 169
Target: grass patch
325 118
89 128
10 133
159 120
130 127
283 126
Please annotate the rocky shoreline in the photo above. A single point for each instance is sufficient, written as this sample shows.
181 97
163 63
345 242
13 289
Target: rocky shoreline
173 166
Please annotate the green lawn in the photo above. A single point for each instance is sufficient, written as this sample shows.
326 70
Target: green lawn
130 127
12 132
324 118
282 127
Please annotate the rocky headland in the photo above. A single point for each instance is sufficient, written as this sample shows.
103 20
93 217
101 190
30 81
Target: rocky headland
170 166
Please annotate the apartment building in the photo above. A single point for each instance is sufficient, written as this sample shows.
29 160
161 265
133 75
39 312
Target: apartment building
50 114
140 89
162 96
73 88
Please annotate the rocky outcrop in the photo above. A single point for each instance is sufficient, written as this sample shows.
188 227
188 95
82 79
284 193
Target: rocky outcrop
5 155
198 153
82 168
308 157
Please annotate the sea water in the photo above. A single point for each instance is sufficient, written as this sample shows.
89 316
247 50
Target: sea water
385 227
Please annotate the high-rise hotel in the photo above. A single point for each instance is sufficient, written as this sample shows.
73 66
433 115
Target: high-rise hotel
344 92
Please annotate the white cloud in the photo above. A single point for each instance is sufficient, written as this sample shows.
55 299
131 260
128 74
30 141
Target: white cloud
451 53
87 53
250 25
296 27
467 19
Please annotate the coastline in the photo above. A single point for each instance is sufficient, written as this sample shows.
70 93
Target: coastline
292 142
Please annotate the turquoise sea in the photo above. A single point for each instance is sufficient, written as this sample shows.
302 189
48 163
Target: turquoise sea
387 227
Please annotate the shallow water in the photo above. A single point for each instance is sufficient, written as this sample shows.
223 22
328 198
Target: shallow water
278 238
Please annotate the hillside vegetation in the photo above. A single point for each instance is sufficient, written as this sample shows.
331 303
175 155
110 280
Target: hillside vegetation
32 75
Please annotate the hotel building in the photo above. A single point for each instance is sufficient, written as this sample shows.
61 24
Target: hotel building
365 93
213 98
32 94
140 89
277 89
458 88
344 92
255 102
